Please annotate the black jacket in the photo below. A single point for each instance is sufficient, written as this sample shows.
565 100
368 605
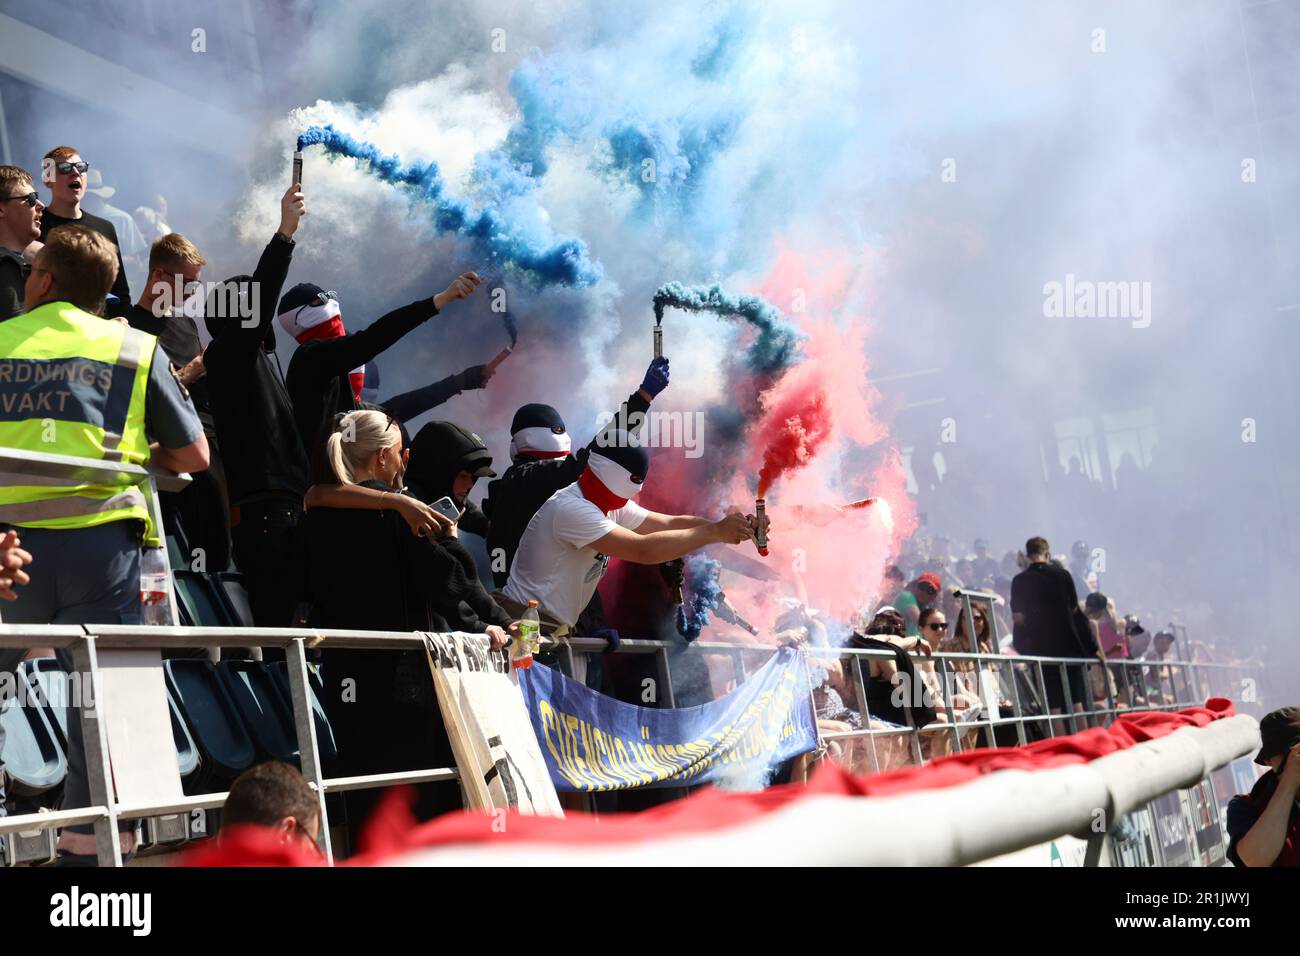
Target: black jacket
318 372
1044 593
263 454
514 498
179 338
405 583
50 220
13 281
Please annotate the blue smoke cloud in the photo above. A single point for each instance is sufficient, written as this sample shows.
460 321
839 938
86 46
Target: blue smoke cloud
679 154
702 581
777 345
542 260
556 106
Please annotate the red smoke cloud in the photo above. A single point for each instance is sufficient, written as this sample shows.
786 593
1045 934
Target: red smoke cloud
796 420
812 440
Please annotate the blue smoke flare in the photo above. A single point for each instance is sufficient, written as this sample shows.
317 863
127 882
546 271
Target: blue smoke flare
544 261
507 317
777 345
702 581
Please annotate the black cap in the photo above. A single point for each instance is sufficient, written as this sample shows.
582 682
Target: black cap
536 415
298 296
623 449
444 445
1278 733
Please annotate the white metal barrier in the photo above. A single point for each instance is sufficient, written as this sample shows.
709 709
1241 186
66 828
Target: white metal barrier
1137 778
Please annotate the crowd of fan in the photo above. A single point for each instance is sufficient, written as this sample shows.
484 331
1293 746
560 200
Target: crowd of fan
294 470
1029 603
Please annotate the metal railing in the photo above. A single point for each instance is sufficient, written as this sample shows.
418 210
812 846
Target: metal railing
87 641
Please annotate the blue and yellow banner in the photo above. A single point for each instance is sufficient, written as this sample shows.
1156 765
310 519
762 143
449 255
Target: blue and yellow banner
592 742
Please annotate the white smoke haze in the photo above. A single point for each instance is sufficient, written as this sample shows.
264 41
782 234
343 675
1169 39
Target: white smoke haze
824 129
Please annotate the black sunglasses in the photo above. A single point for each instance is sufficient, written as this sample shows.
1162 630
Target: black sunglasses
66 167
934 626
31 199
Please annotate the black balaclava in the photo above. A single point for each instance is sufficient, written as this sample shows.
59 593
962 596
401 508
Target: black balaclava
537 432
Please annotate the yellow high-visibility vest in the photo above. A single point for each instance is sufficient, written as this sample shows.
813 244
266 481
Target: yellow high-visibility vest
72 383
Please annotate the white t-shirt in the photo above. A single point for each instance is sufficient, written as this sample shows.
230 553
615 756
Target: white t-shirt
554 565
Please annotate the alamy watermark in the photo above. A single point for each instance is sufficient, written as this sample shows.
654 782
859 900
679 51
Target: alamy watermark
653 429
65 690
1085 299
215 300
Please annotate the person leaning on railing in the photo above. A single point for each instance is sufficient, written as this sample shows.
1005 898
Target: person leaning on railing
801 626
968 672
79 385
895 687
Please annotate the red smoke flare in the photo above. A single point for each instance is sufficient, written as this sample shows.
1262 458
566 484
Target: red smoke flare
792 430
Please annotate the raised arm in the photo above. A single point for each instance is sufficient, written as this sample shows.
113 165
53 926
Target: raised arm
654 521
246 333
335 357
631 414
416 402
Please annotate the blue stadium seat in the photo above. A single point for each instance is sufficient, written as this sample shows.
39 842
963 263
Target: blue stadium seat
325 742
176 553
198 601
224 747
45 674
230 587
34 760
188 759
266 716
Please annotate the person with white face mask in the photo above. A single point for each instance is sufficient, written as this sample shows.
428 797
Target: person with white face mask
542 462
567 545
327 371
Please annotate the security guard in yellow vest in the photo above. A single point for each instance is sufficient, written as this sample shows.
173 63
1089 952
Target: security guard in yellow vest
72 383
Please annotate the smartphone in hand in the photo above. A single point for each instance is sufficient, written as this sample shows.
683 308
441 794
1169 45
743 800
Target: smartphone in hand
447 508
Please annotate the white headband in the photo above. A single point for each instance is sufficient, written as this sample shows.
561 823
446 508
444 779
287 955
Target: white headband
613 476
538 438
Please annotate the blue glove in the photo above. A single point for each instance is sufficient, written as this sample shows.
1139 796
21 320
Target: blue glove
610 635
656 376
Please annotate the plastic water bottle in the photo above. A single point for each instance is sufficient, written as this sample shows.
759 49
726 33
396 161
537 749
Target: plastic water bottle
155 576
529 641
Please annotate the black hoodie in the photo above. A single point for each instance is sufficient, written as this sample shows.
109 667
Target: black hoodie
263 454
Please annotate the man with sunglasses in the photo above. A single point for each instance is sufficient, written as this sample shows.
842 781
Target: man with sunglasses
20 226
64 172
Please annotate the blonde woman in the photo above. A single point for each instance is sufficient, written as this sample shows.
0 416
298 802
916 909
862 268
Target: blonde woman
411 582
381 704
